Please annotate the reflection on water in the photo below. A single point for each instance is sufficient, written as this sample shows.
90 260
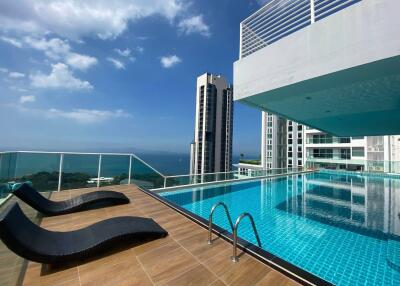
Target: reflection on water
367 205
342 228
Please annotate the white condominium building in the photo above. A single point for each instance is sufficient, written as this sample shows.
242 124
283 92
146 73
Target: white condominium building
282 143
211 150
288 144
371 153
273 145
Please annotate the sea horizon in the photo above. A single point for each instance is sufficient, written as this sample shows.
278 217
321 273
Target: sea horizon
166 162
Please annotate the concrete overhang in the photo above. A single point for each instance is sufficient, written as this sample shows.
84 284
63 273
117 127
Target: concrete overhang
340 75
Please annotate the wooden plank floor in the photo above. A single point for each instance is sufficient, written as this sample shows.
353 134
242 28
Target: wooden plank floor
182 258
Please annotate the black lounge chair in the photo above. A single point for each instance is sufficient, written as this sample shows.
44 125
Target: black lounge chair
51 208
34 243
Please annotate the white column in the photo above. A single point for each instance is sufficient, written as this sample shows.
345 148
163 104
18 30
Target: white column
312 11
240 40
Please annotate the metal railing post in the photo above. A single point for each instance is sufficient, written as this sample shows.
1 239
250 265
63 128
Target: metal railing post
240 40
60 170
130 169
312 11
99 172
234 257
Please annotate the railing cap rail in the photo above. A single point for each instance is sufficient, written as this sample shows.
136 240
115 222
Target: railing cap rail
259 11
85 153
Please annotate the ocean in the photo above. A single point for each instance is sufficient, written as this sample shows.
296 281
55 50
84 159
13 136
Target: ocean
168 164
27 164
172 164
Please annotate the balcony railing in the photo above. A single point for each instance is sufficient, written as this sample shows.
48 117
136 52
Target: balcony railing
355 164
280 18
329 140
57 171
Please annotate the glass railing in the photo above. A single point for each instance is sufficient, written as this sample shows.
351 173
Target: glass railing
56 171
333 156
186 180
329 140
359 165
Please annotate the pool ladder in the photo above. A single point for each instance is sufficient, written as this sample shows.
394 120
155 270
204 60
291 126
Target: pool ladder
234 228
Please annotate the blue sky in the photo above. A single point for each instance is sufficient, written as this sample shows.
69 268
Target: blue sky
113 75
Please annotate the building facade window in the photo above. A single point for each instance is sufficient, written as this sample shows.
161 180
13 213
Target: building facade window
358 152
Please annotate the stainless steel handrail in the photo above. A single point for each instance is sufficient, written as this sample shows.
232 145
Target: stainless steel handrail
234 257
211 219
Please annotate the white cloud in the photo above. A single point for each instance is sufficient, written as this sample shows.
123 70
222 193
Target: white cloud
58 49
12 41
117 64
17 88
87 116
3 70
79 115
81 62
193 25
60 77
170 61
123 53
16 75
140 49
27 98
75 19
54 48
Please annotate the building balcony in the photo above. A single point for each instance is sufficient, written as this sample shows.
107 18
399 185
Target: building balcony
333 140
330 65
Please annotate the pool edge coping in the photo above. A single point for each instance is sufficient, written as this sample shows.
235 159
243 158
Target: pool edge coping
288 269
176 188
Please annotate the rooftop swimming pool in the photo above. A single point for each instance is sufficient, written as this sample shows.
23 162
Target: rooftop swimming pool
343 228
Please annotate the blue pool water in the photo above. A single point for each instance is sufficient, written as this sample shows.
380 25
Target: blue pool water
343 228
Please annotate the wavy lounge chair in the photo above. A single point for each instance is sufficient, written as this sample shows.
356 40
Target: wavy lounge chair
34 243
51 208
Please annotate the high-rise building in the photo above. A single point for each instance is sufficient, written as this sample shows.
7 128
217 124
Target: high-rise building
296 150
288 144
282 143
273 145
211 150
371 153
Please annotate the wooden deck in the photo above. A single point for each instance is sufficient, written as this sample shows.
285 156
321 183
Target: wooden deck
182 258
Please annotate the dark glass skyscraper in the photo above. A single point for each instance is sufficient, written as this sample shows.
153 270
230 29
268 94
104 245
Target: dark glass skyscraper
211 150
